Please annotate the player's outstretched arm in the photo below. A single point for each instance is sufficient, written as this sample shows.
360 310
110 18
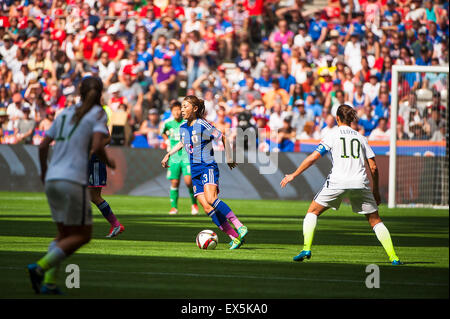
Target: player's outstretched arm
175 149
43 155
309 161
374 172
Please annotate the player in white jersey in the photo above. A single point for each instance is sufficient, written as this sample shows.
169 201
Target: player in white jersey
349 152
78 132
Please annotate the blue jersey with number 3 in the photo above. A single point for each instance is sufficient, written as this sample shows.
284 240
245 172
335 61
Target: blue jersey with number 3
197 140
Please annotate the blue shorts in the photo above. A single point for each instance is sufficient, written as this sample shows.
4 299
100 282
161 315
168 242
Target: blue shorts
208 176
97 172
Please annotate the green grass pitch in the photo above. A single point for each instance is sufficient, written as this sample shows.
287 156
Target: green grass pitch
156 256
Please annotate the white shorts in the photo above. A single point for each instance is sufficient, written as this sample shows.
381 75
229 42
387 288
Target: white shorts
362 200
69 202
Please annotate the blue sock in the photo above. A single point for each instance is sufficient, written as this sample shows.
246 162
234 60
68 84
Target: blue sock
105 209
223 208
216 217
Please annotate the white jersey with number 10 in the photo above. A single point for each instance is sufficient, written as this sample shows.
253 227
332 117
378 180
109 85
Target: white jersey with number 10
72 144
349 151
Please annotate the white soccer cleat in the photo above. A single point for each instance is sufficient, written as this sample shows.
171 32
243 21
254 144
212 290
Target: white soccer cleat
173 211
194 209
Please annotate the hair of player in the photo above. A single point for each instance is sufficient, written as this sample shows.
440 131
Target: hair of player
346 114
175 104
199 103
90 92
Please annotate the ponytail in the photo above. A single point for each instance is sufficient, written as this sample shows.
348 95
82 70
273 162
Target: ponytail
91 92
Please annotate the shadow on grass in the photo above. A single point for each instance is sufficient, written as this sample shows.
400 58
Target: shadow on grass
354 234
104 276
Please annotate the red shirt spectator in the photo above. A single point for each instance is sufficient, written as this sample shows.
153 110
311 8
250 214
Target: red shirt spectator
59 35
151 6
4 22
254 7
179 11
88 43
113 46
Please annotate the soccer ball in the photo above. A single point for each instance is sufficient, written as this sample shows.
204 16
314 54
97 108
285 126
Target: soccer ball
207 239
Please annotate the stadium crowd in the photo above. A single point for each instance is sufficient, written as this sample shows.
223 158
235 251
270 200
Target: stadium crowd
272 65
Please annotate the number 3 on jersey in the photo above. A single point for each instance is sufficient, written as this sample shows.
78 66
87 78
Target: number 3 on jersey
354 146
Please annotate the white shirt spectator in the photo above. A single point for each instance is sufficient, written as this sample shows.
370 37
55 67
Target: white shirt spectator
380 135
276 120
105 71
8 54
352 54
299 41
371 90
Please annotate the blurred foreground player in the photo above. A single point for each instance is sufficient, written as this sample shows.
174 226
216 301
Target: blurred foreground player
73 131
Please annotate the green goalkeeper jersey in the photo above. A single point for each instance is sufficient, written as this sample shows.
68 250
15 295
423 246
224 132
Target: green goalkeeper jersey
172 129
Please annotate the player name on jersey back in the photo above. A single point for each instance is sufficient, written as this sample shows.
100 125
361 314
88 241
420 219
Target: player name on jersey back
349 151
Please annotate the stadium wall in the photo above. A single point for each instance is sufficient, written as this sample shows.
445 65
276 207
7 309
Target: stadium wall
139 173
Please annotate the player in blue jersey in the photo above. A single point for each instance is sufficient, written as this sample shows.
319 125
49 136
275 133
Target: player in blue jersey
196 136
97 180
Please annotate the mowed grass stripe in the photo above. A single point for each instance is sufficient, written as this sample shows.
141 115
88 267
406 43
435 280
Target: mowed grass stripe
156 256
236 276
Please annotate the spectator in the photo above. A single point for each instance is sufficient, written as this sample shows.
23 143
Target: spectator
275 94
133 94
277 117
381 132
368 120
106 68
349 46
47 122
150 128
165 78
196 53
308 132
15 110
300 117
439 135
331 125
24 127
4 119
287 81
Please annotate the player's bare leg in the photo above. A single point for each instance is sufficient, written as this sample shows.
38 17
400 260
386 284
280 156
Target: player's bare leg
188 182
96 197
174 185
309 226
383 236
